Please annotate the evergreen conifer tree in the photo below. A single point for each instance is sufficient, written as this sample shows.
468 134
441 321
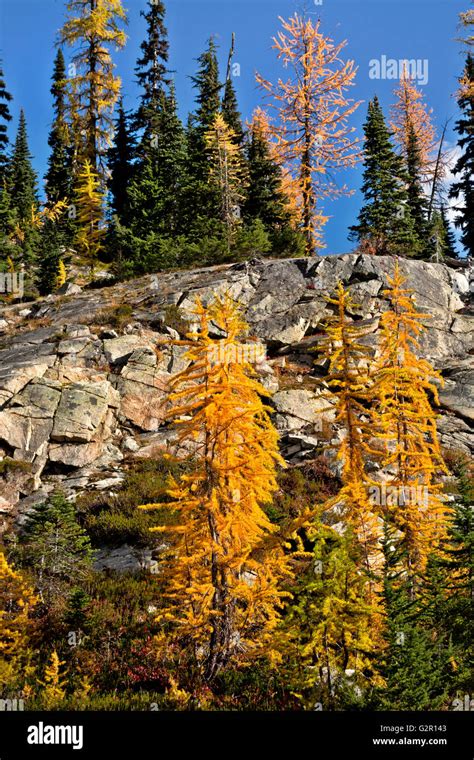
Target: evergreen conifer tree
23 195
384 223
59 176
120 157
5 117
463 189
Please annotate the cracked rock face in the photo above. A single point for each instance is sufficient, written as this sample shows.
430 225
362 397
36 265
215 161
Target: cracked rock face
76 399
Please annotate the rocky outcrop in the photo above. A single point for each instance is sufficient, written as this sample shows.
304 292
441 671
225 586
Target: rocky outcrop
77 397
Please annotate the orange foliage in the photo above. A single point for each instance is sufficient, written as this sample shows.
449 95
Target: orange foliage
221 572
406 422
312 134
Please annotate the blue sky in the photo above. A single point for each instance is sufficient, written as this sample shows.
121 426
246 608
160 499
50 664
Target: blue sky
425 30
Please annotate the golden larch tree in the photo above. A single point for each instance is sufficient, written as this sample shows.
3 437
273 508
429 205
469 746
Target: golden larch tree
406 421
53 691
16 601
92 28
312 130
349 384
226 171
89 202
410 111
222 571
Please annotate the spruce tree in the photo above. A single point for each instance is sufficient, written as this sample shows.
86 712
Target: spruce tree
120 157
5 117
384 223
463 190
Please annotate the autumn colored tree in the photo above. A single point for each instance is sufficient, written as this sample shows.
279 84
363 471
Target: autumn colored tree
17 600
410 113
53 687
226 172
89 201
313 134
91 29
349 384
221 572
405 420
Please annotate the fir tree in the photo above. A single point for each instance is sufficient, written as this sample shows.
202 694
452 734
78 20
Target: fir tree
199 193
54 547
230 111
23 194
416 662
51 251
208 87
463 190
384 223
151 70
265 199
450 249
23 187
441 241
5 117
416 200
120 156
59 175
155 196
